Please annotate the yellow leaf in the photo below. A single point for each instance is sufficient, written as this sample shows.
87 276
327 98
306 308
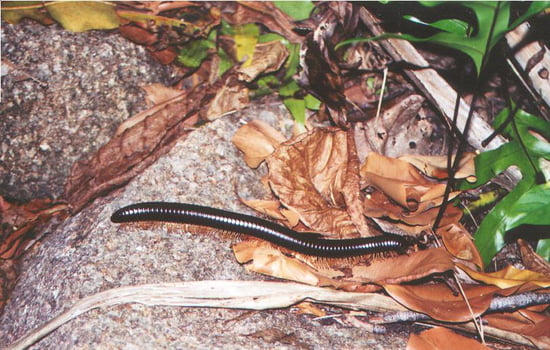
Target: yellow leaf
80 16
509 277
246 37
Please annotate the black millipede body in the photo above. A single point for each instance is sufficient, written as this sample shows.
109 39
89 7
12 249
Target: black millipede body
301 242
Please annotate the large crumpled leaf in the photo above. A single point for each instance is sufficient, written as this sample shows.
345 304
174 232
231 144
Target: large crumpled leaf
315 175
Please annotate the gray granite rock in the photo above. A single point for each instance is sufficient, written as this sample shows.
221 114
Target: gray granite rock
63 95
89 254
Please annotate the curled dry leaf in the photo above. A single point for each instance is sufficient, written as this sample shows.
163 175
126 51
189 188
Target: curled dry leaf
402 182
442 338
509 277
436 166
268 57
263 258
460 243
158 93
230 97
267 260
257 140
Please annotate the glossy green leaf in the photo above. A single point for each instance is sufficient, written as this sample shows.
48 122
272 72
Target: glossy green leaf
492 20
298 10
528 202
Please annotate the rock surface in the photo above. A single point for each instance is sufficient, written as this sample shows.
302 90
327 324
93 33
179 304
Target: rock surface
63 95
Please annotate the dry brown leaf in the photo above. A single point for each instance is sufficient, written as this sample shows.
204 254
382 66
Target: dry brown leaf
531 260
311 175
442 338
138 143
532 325
399 180
19 223
436 166
231 97
307 308
386 133
158 93
265 259
378 205
257 140
439 302
460 243
509 277
404 268
268 58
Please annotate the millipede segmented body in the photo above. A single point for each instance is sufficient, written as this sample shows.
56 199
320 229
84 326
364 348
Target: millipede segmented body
301 242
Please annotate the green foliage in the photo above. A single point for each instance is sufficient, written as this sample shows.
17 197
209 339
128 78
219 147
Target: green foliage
298 10
529 201
246 37
492 23
195 52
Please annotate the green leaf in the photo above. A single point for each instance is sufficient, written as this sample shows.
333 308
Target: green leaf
528 202
80 16
312 102
456 26
298 10
246 38
297 108
491 20
194 52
